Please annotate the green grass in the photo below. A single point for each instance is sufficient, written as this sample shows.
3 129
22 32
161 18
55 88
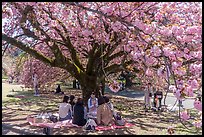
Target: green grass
146 123
4 77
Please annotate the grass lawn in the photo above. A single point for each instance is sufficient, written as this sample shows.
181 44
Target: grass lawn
15 111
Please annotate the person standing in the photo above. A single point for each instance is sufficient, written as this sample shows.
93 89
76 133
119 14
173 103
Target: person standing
35 83
147 97
159 94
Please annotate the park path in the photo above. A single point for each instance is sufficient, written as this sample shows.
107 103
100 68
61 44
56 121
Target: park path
170 99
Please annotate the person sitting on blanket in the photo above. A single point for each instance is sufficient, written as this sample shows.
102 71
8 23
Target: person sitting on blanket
58 90
71 101
110 104
92 105
104 113
78 117
65 109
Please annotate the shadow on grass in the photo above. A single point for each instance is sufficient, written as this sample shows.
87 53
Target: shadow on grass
191 130
7 128
80 131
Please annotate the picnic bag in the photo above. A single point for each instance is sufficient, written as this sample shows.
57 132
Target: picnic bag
119 121
53 118
90 125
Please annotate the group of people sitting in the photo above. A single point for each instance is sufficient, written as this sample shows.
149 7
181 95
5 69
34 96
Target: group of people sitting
100 110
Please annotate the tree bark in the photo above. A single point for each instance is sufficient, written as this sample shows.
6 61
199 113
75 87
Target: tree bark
88 85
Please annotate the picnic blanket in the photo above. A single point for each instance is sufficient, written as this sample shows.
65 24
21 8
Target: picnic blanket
59 124
69 124
100 128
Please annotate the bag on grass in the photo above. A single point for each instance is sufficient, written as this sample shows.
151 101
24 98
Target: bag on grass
90 125
118 120
53 118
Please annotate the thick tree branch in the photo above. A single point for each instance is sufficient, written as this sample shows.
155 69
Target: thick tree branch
26 48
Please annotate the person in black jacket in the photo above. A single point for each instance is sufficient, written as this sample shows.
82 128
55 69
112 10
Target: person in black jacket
78 117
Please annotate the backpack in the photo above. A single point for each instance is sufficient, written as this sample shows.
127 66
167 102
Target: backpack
119 121
53 118
90 125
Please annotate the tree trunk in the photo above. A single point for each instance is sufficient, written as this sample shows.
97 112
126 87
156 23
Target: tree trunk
103 86
88 86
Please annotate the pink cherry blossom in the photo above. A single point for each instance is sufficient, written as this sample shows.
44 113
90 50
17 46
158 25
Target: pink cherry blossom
184 115
194 84
156 51
166 32
188 38
174 29
197 123
177 94
158 16
189 91
149 72
175 65
160 71
191 30
197 105
180 71
86 33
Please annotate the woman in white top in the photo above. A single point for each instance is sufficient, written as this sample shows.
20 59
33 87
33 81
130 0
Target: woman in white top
65 109
92 105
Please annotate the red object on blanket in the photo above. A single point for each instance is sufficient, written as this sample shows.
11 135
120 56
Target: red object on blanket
100 128
59 124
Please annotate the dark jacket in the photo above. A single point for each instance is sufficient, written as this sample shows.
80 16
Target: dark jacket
78 117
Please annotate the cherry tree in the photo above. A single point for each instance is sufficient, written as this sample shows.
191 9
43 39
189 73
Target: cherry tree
161 41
